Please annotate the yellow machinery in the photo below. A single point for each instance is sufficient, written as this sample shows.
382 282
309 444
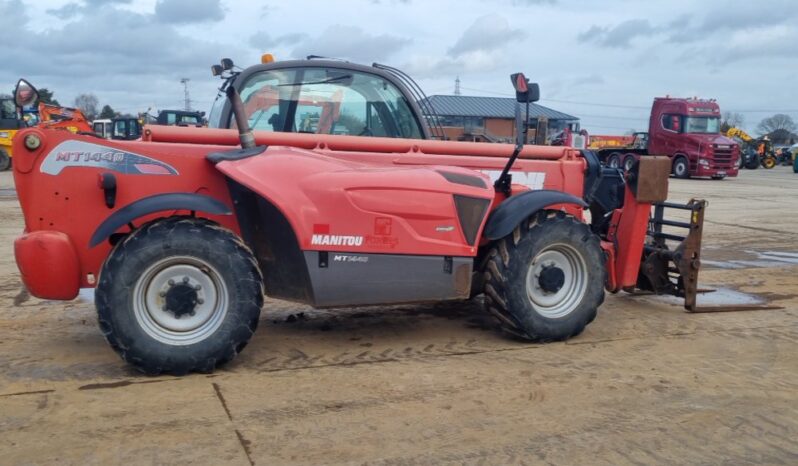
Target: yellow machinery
9 125
754 152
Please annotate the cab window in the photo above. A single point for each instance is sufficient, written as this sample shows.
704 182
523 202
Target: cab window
120 129
327 101
672 122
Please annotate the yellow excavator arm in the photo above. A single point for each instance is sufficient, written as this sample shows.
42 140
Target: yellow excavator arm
738 133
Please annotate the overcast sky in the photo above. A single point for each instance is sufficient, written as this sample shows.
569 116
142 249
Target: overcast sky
619 54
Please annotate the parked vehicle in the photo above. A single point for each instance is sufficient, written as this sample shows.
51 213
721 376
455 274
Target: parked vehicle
686 130
10 123
102 127
185 231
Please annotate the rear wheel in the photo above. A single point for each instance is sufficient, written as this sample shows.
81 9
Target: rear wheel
614 160
545 281
179 295
628 162
5 160
681 168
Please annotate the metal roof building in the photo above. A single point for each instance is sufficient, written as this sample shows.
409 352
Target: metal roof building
490 107
491 119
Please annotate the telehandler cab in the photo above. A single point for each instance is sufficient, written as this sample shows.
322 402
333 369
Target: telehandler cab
337 198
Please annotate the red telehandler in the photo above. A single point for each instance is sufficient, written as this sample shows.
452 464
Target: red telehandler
183 232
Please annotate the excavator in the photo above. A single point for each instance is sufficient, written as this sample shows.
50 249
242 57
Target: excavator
10 123
70 119
755 152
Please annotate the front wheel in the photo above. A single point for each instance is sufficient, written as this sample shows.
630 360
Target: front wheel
681 168
545 281
769 162
178 295
752 163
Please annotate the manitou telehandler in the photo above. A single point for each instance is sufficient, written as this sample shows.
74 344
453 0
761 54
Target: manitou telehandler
183 232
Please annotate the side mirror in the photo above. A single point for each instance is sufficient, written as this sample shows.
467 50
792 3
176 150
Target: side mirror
525 91
216 70
227 64
25 94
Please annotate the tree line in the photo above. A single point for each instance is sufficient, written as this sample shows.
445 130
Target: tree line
780 128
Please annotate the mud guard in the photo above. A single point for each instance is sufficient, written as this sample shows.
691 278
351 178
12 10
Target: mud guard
515 209
153 204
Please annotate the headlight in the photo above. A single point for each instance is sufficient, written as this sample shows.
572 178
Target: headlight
703 162
3 134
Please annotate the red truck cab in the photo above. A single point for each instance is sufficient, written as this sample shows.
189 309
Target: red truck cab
688 131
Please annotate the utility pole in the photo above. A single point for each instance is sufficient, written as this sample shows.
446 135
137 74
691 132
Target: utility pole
457 86
184 82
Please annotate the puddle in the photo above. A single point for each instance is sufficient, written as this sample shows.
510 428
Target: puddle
8 193
86 294
719 297
765 259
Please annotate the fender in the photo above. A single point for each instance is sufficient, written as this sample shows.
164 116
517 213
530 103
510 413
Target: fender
511 212
157 203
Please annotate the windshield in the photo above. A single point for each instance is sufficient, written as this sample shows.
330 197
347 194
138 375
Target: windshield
7 109
325 101
701 125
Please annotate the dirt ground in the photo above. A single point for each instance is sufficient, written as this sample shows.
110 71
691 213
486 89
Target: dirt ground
645 383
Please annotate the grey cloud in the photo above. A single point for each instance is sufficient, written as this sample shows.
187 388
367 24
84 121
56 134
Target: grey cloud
263 40
72 9
486 34
618 36
188 11
351 42
144 60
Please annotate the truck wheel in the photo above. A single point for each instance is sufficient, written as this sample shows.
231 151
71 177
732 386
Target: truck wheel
545 281
178 295
681 168
628 162
614 160
5 160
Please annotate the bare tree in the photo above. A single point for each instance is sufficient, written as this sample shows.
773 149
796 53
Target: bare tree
777 122
731 120
87 103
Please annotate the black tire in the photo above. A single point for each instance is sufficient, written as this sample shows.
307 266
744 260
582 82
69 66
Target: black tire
769 162
753 162
681 167
719 177
628 162
5 160
142 277
614 160
509 297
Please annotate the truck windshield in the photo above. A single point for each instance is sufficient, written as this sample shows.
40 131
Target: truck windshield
701 124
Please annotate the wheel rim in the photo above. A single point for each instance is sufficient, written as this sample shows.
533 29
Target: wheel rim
557 301
614 163
180 300
681 168
770 162
627 164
